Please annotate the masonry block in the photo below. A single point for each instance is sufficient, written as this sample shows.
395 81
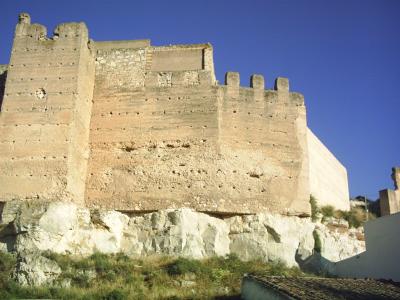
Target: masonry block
232 79
257 82
282 84
66 30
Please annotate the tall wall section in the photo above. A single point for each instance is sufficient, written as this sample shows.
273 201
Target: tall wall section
164 134
45 114
263 144
328 177
154 127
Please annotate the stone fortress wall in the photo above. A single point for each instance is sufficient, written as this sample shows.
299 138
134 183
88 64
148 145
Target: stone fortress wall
45 113
328 177
133 127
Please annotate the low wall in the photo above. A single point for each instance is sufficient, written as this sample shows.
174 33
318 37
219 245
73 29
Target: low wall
380 261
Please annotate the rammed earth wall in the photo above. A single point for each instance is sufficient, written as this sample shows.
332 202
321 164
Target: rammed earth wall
129 126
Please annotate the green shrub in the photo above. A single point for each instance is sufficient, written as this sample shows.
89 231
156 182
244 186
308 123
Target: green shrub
219 274
317 242
355 216
81 279
314 208
102 262
327 211
7 263
116 295
183 266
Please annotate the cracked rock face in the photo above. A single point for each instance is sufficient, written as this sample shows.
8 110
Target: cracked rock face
271 238
61 227
34 269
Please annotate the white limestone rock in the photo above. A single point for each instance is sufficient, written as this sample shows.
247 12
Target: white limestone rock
334 222
181 232
271 237
35 270
69 229
338 245
64 228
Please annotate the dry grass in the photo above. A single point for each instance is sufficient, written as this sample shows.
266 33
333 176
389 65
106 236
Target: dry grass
159 277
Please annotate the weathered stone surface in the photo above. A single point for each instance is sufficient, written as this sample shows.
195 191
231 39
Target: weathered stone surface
68 229
334 222
180 232
34 269
45 113
132 127
338 244
271 237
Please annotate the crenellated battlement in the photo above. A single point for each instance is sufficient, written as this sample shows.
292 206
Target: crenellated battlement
38 32
131 126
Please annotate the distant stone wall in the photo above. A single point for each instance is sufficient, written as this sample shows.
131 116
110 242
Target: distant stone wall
389 200
328 177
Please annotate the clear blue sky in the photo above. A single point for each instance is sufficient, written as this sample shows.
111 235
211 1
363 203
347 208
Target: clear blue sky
343 55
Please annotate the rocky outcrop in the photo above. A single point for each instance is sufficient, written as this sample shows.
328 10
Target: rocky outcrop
340 244
180 232
65 228
271 237
34 269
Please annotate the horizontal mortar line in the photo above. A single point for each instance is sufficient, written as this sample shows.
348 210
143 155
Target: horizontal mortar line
33 158
141 98
148 116
26 63
147 128
30 124
35 125
42 79
34 175
32 93
53 109
47 48
40 64
27 142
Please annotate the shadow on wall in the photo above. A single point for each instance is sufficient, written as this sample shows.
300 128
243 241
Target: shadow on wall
2 87
7 232
316 264
379 261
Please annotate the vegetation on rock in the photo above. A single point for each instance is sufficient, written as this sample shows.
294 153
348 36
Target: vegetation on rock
356 216
117 276
314 208
317 242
